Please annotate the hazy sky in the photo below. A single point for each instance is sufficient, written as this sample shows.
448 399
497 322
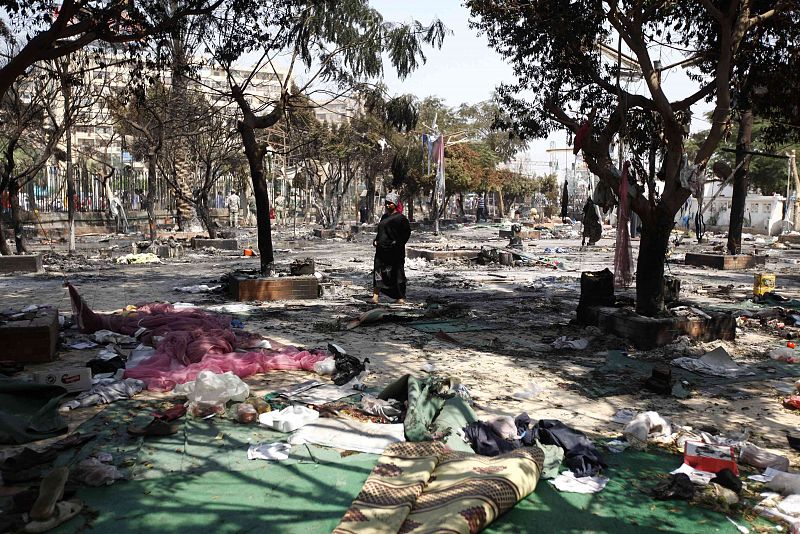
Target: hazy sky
467 70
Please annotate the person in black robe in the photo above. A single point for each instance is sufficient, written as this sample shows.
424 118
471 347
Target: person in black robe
388 275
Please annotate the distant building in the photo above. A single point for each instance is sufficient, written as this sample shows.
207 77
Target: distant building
338 111
762 213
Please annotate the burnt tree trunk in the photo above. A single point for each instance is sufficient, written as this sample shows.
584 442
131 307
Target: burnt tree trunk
255 160
740 180
16 217
66 91
5 250
205 214
150 199
656 229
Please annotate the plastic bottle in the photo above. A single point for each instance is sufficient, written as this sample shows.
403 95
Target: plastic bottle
246 414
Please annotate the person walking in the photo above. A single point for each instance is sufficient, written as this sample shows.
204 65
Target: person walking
388 275
233 203
480 212
252 218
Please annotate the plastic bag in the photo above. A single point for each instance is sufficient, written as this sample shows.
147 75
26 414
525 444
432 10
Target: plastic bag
646 425
93 472
213 390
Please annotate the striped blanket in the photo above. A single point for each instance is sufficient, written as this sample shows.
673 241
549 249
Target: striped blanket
425 487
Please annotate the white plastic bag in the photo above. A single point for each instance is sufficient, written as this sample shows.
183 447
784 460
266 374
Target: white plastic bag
214 390
646 425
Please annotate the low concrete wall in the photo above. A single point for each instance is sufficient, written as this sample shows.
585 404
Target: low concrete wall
55 224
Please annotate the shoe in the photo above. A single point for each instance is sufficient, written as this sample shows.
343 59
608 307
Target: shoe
157 427
51 490
64 511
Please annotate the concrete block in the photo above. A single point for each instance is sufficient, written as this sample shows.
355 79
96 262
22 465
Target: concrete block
29 263
524 234
649 332
325 233
274 288
222 244
791 239
31 339
166 251
432 255
363 228
724 261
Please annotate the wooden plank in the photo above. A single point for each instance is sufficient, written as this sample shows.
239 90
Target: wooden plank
275 288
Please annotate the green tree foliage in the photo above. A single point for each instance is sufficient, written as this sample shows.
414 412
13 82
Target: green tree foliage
768 175
564 82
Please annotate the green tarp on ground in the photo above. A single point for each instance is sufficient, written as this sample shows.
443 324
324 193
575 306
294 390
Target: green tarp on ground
200 480
622 374
29 412
432 327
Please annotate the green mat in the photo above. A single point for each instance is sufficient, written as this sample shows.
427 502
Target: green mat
432 327
200 480
622 374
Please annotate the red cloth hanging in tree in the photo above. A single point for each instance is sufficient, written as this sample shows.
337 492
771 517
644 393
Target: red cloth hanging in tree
622 253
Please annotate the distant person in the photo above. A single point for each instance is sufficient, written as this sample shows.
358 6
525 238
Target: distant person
363 211
219 201
480 212
388 275
252 211
280 210
234 204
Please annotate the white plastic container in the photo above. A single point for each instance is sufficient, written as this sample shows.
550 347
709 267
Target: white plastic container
289 419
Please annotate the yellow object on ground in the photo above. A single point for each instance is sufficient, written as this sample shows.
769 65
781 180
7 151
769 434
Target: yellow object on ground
763 284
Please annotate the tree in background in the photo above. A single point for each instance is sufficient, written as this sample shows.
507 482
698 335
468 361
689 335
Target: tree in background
141 113
35 31
28 138
766 67
562 82
339 44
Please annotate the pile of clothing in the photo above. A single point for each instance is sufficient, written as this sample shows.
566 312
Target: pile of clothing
189 340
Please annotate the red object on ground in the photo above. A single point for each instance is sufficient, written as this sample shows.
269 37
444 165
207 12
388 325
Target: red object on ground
790 344
709 457
170 414
792 402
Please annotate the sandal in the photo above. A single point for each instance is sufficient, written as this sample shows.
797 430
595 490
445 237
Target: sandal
157 427
64 511
51 490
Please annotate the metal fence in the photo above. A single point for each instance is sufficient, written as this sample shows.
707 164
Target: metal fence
48 191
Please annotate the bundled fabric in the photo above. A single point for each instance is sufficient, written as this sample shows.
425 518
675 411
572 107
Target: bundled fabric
190 341
425 398
580 454
106 391
622 251
486 441
420 487
347 367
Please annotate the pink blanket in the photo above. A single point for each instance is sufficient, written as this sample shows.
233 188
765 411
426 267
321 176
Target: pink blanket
191 340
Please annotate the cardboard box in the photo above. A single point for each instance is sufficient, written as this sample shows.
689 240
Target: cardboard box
73 379
709 457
